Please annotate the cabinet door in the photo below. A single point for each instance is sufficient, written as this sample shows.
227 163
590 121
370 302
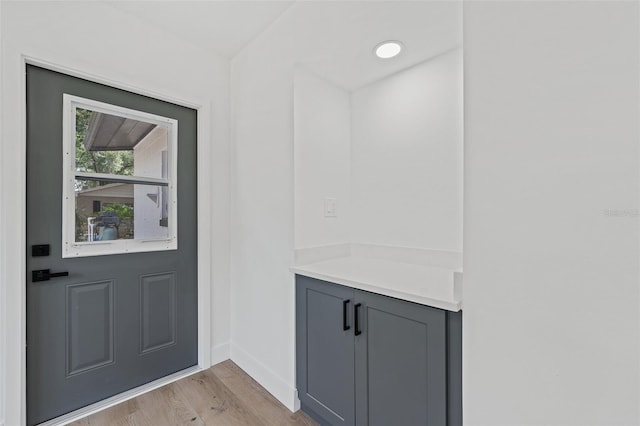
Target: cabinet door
325 353
401 363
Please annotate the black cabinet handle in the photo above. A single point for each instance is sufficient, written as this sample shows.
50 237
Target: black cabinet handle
345 308
45 275
356 314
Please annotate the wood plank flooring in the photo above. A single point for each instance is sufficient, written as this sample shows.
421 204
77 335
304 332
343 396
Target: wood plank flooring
222 395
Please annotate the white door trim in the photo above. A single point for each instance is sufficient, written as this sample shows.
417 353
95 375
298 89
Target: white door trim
13 244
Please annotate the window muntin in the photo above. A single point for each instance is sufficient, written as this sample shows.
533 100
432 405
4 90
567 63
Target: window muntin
123 161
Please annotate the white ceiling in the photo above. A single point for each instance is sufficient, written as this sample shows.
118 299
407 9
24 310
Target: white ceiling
340 36
334 39
218 26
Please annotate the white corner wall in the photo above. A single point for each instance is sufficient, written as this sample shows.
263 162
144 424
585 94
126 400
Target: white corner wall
322 160
262 173
551 300
406 157
100 40
262 291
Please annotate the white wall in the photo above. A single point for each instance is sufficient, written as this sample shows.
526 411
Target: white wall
406 157
322 160
262 292
551 301
103 41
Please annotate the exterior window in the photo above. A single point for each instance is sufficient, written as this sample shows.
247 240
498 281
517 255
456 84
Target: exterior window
120 168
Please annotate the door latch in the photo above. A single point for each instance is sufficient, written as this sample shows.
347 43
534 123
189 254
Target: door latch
46 275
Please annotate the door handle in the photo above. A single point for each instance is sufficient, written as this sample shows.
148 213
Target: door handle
46 275
356 314
345 305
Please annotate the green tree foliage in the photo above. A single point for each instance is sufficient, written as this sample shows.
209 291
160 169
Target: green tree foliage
110 162
123 211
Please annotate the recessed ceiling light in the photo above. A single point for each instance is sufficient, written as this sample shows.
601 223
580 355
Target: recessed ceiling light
388 49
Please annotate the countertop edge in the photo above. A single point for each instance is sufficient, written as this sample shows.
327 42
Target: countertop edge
455 306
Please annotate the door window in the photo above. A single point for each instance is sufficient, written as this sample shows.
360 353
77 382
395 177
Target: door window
119 189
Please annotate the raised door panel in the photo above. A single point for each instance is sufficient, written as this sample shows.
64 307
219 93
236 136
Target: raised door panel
157 311
325 353
401 363
89 326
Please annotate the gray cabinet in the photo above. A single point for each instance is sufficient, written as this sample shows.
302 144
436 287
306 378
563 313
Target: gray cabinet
325 361
367 359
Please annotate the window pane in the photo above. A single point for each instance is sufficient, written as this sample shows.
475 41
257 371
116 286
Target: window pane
115 145
127 211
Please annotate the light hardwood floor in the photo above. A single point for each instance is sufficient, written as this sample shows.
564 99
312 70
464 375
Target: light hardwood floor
222 395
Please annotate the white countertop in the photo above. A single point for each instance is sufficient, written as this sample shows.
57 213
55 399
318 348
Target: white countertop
427 285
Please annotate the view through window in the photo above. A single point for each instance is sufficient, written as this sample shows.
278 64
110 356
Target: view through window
122 175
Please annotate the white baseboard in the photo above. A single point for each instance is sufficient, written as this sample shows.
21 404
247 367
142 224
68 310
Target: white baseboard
122 397
273 383
220 353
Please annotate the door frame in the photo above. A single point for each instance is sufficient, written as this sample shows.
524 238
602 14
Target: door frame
13 227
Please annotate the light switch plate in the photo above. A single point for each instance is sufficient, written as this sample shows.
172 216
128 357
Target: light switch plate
330 207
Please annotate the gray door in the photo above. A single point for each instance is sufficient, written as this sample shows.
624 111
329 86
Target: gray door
401 363
116 321
325 363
